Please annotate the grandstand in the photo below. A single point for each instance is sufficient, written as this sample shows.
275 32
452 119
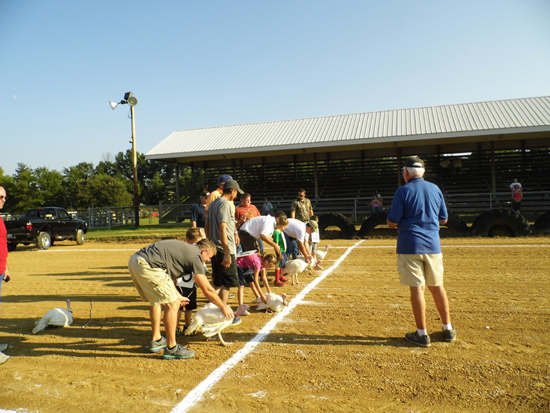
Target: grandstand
342 160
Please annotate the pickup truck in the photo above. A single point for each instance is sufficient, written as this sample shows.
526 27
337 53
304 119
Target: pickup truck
43 226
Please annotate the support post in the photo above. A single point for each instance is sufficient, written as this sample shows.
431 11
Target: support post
134 152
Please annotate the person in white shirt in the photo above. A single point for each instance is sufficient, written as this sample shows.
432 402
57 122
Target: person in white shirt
261 228
297 233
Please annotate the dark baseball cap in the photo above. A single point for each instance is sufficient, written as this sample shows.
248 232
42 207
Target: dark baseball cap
231 184
222 179
414 162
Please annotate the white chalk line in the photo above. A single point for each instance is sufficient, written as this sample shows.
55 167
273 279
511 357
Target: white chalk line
343 247
198 392
461 246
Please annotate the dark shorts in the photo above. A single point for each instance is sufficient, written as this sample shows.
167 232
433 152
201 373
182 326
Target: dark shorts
245 278
190 293
227 277
248 242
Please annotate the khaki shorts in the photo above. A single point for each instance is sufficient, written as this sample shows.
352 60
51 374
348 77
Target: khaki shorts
416 270
153 284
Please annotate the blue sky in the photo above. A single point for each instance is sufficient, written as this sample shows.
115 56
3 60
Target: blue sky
195 64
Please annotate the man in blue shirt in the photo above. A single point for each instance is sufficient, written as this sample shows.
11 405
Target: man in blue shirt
197 215
417 210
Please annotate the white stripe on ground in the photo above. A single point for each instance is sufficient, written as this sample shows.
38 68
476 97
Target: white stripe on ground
365 246
198 392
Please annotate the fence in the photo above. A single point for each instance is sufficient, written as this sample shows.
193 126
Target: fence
357 209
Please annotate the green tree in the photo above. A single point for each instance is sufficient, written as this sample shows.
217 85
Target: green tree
25 193
50 186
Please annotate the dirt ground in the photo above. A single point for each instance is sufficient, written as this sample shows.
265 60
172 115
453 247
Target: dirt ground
339 350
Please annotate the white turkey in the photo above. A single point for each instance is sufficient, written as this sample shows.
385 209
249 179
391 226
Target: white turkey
209 320
293 268
320 256
56 317
274 302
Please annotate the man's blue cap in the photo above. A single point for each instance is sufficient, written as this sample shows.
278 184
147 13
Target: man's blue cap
222 179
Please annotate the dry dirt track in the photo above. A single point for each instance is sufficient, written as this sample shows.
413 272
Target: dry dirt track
342 350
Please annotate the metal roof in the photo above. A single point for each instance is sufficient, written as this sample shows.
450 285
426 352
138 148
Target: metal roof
471 119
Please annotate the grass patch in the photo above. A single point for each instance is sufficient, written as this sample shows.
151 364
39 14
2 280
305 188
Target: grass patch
143 233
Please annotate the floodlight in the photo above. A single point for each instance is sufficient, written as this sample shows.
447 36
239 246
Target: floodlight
113 105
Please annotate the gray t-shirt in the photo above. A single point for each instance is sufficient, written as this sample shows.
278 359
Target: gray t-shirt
218 212
176 257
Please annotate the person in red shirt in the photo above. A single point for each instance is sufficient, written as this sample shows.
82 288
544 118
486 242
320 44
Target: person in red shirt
4 271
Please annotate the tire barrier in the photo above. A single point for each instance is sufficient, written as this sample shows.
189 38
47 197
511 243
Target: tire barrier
457 224
511 221
337 220
542 224
372 222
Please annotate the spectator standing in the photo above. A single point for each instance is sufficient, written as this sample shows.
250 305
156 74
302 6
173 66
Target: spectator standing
301 209
445 166
197 215
515 185
457 166
4 270
220 227
267 208
376 203
245 210
517 197
417 210
153 270
216 193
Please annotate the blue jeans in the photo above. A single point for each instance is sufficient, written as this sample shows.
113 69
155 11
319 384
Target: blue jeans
291 246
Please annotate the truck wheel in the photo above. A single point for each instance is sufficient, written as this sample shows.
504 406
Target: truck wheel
11 247
44 240
80 237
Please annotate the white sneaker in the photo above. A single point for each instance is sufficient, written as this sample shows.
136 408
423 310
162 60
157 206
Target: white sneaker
3 347
4 358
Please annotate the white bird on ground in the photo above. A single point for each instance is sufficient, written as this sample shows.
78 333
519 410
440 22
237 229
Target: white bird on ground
209 320
55 317
274 302
320 256
293 268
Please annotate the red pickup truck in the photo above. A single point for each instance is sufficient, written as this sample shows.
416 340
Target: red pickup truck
43 226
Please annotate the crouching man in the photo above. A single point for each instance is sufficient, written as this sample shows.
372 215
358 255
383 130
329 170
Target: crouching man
153 270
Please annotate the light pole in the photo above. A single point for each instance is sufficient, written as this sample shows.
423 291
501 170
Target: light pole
130 100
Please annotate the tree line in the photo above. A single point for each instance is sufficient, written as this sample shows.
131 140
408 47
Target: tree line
109 183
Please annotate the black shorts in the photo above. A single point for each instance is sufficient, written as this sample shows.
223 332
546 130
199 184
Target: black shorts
190 293
245 278
248 242
227 277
